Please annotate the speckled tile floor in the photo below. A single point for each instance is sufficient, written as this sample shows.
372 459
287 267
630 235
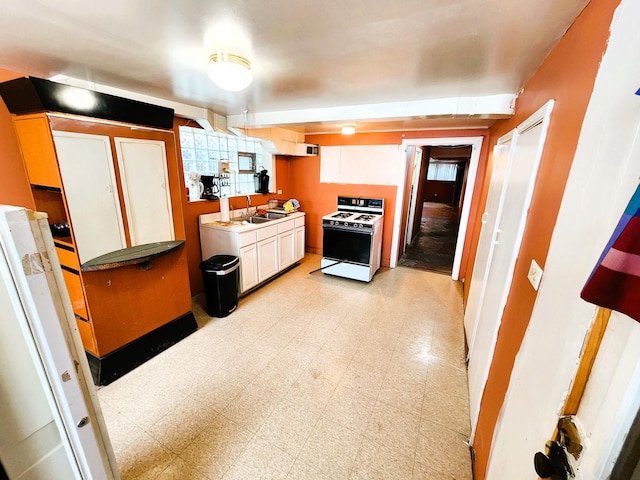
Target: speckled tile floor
312 377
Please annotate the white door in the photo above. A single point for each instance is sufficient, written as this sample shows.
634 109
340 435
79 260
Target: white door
50 426
413 206
517 188
145 186
89 181
495 197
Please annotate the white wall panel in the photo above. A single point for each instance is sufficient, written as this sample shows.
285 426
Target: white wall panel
362 164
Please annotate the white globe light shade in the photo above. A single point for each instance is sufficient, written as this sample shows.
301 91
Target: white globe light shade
230 72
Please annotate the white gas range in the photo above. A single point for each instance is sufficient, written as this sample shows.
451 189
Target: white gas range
352 238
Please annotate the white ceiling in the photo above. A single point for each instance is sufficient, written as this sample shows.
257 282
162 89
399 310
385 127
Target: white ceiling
308 57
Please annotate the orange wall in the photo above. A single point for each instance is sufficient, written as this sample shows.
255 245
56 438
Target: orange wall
567 75
320 199
14 184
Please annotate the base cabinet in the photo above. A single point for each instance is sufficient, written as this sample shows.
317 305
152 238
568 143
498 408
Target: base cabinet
263 251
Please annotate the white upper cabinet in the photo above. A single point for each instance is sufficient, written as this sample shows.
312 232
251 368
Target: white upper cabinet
145 186
88 176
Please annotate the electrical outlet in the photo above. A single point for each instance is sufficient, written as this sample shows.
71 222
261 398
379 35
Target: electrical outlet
534 275
279 192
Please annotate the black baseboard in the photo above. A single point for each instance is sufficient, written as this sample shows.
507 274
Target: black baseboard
115 364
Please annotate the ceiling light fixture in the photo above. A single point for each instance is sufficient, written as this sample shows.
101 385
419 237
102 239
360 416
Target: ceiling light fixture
348 130
229 72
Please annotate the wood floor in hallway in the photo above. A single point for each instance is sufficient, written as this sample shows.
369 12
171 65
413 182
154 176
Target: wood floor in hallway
434 247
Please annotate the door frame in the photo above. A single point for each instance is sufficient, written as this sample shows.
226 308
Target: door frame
417 160
476 147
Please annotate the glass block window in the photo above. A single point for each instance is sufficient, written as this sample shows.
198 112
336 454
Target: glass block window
213 153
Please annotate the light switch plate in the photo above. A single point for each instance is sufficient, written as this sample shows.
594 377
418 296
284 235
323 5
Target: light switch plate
535 274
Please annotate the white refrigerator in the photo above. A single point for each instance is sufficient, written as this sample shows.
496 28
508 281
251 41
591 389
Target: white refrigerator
51 425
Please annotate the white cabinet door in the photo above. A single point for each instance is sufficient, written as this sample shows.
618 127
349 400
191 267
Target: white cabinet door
286 249
248 267
145 185
88 177
267 258
299 243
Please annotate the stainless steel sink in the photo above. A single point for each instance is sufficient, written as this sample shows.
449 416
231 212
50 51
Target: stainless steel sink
251 219
275 215
259 219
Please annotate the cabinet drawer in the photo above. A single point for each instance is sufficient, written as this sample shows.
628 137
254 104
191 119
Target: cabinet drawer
286 226
74 287
68 258
37 150
299 222
86 334
247 238
266 232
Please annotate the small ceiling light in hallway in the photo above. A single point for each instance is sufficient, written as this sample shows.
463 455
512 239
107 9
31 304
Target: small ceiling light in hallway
348 130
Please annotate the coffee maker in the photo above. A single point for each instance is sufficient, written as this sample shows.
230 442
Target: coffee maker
261 181
211 187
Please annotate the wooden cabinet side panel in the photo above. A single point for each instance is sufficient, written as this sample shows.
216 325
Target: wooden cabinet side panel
129 302
37 148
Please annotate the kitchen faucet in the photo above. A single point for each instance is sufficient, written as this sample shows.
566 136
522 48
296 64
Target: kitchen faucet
248 205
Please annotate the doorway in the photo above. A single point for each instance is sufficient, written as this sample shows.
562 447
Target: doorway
403 195
435 210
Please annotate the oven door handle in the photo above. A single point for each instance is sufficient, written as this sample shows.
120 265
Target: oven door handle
348 229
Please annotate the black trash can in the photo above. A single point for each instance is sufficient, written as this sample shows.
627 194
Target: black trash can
220 275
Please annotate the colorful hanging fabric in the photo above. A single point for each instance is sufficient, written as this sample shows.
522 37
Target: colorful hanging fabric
615 281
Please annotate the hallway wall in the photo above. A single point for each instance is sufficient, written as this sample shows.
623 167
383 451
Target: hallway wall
604 175
567 76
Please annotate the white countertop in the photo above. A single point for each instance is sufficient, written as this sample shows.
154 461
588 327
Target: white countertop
212 220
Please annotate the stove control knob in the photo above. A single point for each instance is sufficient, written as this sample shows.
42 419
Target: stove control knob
360 226
346 224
